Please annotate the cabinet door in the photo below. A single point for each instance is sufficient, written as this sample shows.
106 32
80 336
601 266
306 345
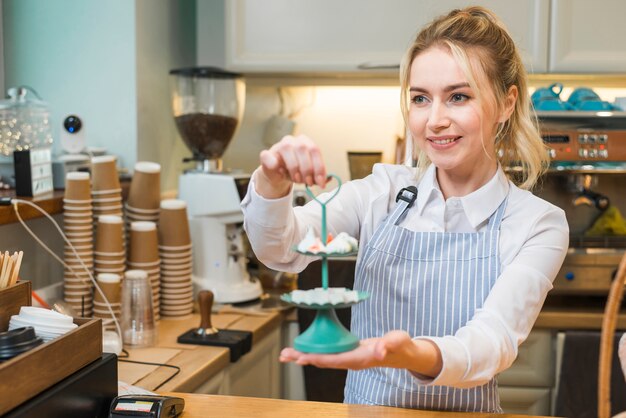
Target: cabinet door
348 35
527 401
535 362
587 36
257 373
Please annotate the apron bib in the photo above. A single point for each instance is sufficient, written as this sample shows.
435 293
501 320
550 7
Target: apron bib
427 284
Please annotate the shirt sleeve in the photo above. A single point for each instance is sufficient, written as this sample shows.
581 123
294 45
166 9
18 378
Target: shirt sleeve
274 227
488 343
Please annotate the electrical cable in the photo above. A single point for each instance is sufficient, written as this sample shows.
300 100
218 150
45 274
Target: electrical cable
15 203
125 360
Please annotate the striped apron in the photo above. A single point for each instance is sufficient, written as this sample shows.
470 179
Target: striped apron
427 284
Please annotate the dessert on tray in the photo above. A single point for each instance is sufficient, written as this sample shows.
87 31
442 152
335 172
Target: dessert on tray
341 244
321 296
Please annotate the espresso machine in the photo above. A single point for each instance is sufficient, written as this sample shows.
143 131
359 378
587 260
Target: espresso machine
208 105
586 179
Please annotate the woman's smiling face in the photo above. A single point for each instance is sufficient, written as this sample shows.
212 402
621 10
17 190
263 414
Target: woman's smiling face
446 119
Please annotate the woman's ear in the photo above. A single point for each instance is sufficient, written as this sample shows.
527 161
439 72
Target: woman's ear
509 104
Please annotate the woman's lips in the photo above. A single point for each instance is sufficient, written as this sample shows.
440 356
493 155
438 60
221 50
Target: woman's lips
443 142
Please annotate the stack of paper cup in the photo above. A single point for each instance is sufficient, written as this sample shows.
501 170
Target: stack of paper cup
144 195
109 256
176 260
106 190
110 285
143 255
77 212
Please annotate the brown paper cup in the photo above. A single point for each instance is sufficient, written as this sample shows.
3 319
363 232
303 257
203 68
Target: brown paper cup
110 286
143 243
110 198
174 255
109 234
77 186
137 218
183 285
104 173
69 203
145 187
173 224
141 212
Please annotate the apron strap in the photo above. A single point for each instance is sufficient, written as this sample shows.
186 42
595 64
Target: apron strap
405 199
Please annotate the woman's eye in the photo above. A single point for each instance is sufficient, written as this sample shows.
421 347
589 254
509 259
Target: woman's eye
459 97
418 99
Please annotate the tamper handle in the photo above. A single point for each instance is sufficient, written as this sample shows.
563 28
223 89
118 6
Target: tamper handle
205 304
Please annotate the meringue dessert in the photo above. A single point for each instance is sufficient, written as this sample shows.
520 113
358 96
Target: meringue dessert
341 244
321 296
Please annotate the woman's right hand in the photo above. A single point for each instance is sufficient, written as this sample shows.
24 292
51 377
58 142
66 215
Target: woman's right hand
292 159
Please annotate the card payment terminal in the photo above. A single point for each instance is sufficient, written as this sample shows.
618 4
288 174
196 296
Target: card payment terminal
147 406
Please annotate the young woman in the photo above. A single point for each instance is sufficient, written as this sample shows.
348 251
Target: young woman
457 272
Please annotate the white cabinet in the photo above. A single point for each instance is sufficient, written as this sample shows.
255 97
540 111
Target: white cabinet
348 35
587 36
526 387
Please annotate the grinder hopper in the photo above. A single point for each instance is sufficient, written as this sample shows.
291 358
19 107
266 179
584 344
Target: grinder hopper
208 106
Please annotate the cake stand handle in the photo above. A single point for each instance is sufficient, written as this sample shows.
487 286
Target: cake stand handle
324 237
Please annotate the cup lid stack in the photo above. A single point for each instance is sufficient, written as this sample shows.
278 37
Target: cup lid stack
106 189
143 255
109 254
176 259
77 215
144 196
110 285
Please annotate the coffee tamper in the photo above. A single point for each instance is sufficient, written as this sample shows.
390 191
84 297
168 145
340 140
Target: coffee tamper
238 342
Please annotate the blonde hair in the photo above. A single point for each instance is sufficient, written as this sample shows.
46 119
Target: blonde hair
479 31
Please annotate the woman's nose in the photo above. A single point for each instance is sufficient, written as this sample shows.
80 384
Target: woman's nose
438 117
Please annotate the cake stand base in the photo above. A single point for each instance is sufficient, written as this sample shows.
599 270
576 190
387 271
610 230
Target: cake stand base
326 335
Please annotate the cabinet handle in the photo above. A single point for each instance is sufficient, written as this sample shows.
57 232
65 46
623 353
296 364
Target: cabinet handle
377 66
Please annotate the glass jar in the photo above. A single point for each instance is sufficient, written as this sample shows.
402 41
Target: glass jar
24 121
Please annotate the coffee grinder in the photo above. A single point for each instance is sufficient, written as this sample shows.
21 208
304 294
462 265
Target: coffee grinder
208 106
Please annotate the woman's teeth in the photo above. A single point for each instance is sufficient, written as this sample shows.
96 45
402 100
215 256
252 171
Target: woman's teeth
444 141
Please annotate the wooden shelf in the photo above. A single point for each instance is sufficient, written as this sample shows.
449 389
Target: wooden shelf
52 203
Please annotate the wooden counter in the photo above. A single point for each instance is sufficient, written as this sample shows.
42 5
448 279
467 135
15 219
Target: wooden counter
214 406
197 363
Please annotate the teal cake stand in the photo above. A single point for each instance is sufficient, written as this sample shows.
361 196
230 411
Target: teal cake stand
326 334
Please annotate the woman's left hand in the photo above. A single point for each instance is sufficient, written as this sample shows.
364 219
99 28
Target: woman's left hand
394 349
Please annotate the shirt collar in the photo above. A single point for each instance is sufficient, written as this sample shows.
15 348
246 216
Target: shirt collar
478 205
482 203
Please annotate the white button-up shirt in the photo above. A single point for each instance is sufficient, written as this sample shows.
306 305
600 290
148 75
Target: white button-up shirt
534 237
